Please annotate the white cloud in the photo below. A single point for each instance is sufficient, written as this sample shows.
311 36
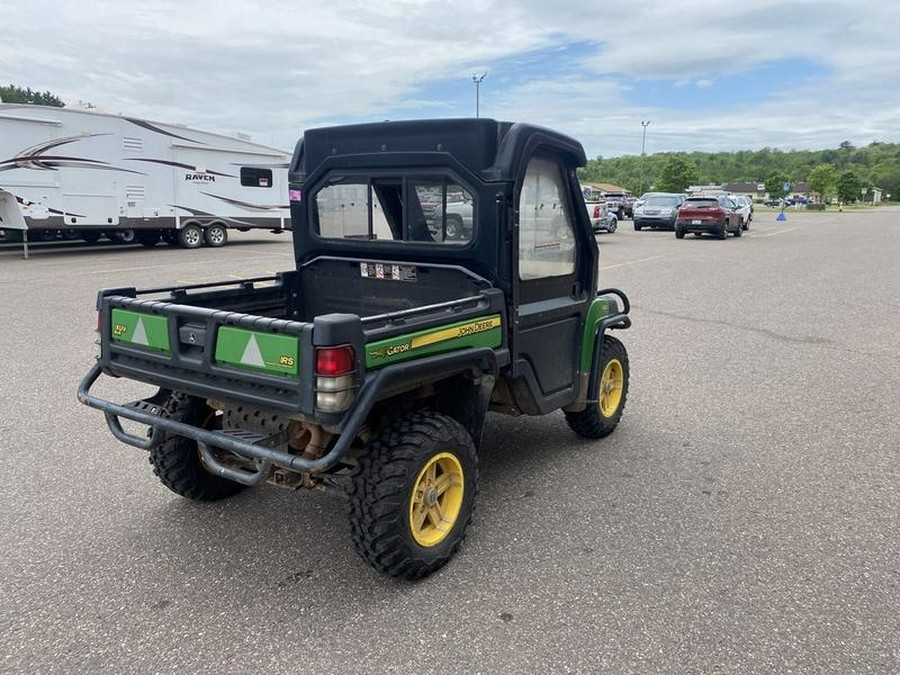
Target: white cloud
275 68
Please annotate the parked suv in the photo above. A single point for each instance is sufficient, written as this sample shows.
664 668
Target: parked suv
709 215
658 210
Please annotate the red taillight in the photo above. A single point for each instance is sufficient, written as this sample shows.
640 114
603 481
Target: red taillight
597 211
335 361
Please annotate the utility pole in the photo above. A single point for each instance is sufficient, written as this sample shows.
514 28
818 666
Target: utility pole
643 154
477 79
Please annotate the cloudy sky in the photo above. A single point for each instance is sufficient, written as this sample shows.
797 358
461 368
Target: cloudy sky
708 74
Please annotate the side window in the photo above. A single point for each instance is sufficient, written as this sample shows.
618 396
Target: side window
546 236
254 177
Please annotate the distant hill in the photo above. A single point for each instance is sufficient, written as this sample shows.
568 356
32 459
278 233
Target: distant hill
877 164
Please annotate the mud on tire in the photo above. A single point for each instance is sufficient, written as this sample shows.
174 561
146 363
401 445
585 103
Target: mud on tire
176 461
390 487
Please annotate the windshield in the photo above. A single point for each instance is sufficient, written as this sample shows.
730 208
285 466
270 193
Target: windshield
662 201
394 208
702 203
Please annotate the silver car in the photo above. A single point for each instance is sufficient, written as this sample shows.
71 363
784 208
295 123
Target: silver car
658 210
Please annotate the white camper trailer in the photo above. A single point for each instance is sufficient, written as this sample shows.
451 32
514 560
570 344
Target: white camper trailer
87 174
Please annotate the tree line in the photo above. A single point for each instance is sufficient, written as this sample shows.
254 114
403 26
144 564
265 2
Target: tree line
14 94
840 172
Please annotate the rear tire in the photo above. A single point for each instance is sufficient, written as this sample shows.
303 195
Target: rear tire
723 232
216 235
412 494
679 232
601 418
176 461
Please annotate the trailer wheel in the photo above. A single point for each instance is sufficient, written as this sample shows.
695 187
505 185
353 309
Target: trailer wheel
597 421
412 494
215 235
123 236
190 236
176 461
148 238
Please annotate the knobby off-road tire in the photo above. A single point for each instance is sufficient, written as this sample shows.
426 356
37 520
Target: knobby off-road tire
176 461
421 466
597 421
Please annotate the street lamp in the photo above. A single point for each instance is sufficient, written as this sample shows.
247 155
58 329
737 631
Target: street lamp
643 154
477 79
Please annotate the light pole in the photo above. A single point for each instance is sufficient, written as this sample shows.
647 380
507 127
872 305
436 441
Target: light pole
477 79
643 154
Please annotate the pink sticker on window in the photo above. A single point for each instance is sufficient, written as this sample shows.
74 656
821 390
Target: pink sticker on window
295 195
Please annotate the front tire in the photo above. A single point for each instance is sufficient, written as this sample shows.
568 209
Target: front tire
600 419
412 494
190 236
176 461
637 228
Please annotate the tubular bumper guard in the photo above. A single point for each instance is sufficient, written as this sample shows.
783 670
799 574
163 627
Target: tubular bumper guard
145 412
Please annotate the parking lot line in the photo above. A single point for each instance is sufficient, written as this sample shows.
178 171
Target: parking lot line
631 262
772 234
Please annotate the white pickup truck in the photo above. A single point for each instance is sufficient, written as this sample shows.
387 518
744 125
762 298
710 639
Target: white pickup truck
599 213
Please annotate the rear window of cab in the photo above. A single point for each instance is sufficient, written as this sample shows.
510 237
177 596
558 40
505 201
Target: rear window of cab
422 209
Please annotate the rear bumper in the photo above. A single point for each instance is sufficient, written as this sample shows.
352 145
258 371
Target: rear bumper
477 360
705 226
655 221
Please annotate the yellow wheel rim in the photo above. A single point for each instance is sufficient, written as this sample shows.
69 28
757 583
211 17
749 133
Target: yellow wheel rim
437 499
612 383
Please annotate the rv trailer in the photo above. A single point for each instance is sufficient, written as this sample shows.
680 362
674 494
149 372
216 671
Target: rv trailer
81 173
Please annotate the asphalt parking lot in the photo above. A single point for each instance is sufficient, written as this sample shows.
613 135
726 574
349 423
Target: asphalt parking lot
744 517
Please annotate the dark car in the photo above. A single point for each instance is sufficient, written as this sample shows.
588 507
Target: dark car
658 210
619 203
709 215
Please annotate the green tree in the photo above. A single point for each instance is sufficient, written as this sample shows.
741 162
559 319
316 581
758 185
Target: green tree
677 174
775 185
848 187
821 180
14 94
